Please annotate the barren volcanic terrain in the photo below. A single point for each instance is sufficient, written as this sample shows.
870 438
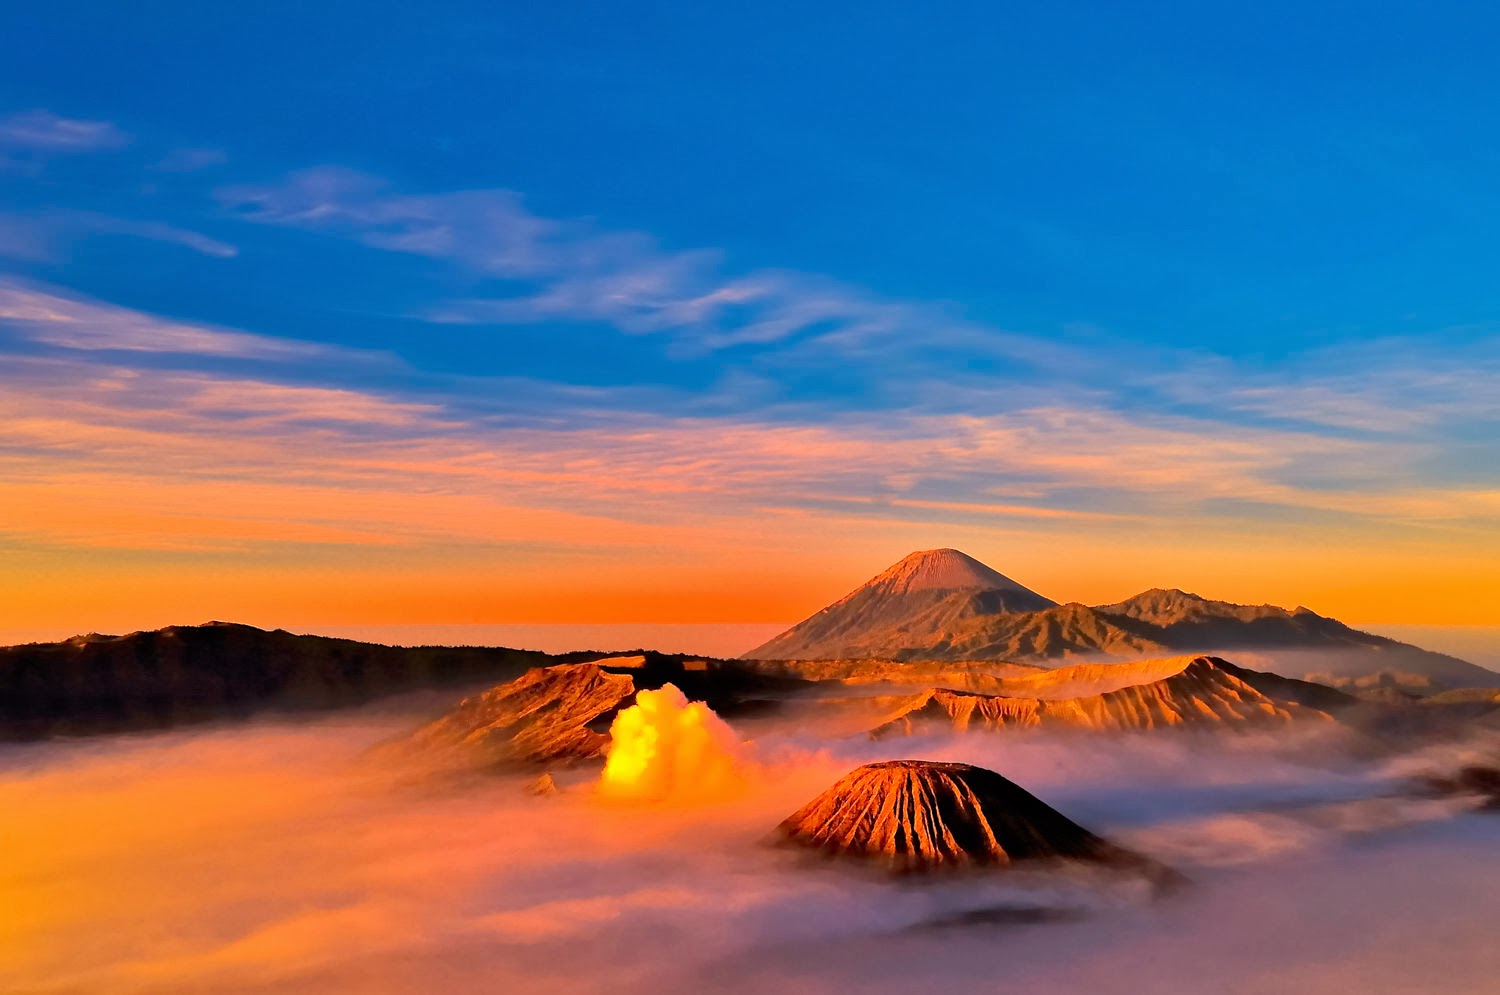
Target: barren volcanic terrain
606 820
943 605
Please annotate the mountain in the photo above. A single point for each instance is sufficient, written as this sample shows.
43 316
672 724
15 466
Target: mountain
1167 608
1298 641
920 815
1189 692
195 673
971 675
1179 617
1064 631
950 570
548 715
913 604
900 615
98 684
560 715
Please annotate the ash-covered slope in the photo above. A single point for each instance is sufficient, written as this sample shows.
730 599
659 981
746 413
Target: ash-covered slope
548 715
914 603
560 715
1193 692
1064 631
918 815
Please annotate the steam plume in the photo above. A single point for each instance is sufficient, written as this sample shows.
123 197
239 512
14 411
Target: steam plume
665 746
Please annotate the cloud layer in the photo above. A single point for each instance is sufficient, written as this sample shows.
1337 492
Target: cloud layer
43 131
271 857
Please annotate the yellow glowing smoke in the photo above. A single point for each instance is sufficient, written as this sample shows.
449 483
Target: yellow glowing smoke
665 746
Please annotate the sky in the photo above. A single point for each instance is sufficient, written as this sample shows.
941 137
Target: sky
669 313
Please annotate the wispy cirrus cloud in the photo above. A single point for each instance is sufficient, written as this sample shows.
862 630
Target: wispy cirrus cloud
488 230
773 331
581 272
344 464
933 420
43 131
68 321
156 231
45 235
1390 387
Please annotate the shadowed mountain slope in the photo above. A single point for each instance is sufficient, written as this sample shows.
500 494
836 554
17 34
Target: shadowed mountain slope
921 815
1298 641
196 673
957 626
97 684
1064 631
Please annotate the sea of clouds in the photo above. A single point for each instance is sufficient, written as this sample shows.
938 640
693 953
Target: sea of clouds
276 856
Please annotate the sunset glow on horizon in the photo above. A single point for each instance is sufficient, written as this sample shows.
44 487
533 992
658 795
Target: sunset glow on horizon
296 383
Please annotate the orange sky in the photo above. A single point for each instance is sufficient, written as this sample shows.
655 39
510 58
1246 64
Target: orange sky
767 568
132 498
355 398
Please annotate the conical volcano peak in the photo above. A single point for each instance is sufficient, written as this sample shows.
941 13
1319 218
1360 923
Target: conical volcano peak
917 815
941 570
920 601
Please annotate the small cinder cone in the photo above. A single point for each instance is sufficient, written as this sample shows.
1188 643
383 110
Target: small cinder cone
917 815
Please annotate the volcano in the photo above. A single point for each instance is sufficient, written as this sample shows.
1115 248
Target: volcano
912 603
549 715
942 605
922 815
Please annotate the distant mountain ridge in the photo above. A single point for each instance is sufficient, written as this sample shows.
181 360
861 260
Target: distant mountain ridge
1299 641
1006 621
1182 615
1190 692
98 684
192 673
181 675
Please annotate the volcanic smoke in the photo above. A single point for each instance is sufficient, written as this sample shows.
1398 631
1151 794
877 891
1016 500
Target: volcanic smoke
666 747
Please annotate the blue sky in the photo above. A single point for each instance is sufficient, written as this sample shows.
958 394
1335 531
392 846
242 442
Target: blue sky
967 267
1292 175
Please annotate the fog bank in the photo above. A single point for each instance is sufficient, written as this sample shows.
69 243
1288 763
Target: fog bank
273 857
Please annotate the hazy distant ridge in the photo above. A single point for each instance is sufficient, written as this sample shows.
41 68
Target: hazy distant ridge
985 615
183 674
